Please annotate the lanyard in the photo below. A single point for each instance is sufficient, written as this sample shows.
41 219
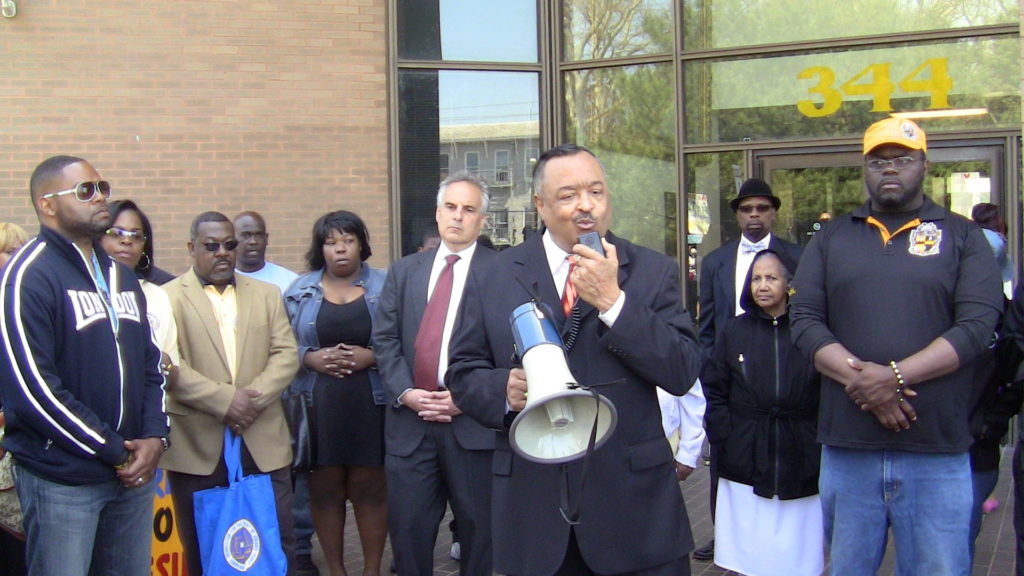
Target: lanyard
104 290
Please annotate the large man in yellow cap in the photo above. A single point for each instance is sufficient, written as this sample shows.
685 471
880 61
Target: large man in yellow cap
893 303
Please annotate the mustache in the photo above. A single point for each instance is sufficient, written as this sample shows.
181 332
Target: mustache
583 218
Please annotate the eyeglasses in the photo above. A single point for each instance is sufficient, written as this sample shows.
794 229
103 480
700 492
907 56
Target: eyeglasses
85 191
129 235
230 245
878 164
760 208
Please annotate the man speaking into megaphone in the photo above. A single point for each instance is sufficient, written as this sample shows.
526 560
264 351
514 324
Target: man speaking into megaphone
619 314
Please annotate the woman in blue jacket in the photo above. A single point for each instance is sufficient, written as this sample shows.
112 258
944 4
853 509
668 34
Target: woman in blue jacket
331 311
761 417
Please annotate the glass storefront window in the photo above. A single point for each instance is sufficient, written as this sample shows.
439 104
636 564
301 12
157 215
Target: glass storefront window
485 122
710 24
712 180
839 93
602 29
468 30
626 115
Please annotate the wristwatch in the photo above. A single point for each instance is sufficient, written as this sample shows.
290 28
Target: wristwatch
165 443
125 460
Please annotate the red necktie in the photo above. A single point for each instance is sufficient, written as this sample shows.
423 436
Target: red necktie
569 293
428 339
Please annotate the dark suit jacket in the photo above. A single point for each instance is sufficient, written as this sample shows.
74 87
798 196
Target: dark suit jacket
402 302
631 514
718 288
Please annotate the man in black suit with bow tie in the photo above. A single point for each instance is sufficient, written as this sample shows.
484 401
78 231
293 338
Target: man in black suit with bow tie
722 274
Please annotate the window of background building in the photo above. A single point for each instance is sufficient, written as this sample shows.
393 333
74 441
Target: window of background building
472 163
502 176
468 88
754 76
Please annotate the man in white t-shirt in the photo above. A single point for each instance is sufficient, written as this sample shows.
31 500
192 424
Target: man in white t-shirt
251 261
251 233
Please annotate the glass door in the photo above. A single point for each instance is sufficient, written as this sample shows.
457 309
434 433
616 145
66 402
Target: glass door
817 186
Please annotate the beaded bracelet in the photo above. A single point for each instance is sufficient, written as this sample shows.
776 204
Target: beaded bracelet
899 379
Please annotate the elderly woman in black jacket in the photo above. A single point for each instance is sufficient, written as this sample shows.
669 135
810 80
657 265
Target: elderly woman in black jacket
762 404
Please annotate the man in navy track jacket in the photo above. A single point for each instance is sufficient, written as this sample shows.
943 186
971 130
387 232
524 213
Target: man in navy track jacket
81 384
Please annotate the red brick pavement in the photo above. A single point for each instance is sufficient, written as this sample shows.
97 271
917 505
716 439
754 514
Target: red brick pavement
994 556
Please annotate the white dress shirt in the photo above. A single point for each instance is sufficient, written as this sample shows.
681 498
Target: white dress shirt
682 417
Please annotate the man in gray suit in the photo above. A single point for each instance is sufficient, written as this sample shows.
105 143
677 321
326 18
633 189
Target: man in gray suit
434 454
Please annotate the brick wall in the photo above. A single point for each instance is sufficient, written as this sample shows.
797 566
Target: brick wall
186 106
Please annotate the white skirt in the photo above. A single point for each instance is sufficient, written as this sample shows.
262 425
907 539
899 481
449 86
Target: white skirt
767 537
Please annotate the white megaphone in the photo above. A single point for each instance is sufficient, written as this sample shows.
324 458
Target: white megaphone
560 417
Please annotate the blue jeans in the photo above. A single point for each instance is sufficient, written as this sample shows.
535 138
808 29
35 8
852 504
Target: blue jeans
96 529
984 482
925 499
301 513
1018 503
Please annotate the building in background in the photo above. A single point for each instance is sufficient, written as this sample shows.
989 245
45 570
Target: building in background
292 109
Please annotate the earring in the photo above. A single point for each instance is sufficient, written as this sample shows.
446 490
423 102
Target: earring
148 263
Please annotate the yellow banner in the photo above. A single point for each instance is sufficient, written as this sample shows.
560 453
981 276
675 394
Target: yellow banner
167 558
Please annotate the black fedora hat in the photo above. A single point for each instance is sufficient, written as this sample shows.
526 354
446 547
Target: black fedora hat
755 187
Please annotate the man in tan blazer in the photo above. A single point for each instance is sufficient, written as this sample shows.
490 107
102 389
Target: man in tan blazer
237 355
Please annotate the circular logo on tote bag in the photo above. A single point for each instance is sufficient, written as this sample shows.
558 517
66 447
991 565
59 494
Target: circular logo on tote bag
242 545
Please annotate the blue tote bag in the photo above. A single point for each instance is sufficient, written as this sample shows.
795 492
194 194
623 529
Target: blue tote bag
237 525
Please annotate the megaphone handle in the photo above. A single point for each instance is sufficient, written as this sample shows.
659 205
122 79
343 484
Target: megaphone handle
572 515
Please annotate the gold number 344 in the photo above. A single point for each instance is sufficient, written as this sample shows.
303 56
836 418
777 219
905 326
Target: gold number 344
875 81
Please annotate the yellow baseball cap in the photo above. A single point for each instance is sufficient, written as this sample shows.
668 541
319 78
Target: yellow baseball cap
898 131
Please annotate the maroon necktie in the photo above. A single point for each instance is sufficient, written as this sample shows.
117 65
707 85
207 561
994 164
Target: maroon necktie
428 340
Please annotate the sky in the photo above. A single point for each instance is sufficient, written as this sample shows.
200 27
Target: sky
500 31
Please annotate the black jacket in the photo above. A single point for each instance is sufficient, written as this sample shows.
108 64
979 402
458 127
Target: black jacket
75 388
762 408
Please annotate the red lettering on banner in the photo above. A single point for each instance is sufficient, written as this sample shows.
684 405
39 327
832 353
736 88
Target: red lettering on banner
167 564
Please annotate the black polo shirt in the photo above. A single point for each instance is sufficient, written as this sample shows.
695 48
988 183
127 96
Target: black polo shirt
887 294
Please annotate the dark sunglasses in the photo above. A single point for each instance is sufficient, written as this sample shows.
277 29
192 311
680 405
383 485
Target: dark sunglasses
230 245
84 191
129 235
760 208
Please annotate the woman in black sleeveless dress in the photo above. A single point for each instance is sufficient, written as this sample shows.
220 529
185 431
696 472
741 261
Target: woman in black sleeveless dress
331 310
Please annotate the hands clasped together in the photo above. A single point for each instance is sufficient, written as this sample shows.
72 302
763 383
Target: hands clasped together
432 406
875 388
340 361
143 457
